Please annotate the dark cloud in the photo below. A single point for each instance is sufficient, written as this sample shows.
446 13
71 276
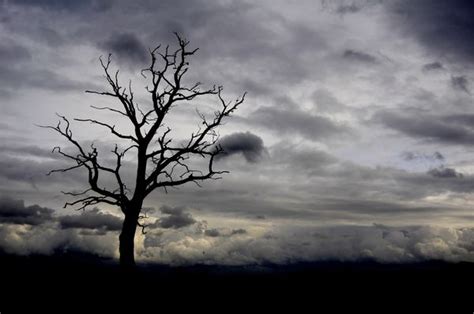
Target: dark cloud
434 66
375 242
411 156
15 212
66 5
212 233
48 239
14 167
451 129
16 58
127 47
358 56
248 144
460 83
12 52
443 172
281 59
438 156
26 151
176 217
294 120
91 219
238 231
14 79
348 8
374 207
302 160
466 120
446 28
230 35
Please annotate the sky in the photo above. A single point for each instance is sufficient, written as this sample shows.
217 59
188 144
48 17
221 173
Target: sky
354 142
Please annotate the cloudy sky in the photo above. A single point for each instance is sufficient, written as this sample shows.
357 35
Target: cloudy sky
355 140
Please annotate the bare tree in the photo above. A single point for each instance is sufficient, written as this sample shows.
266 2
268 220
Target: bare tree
159 162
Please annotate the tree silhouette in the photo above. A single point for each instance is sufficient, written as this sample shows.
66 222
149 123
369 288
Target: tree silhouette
159 162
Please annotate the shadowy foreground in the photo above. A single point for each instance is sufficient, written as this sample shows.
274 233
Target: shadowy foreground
50 281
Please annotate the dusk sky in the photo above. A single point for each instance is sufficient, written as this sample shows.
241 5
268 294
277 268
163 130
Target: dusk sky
355 139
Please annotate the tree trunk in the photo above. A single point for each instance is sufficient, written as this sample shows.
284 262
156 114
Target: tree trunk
127 239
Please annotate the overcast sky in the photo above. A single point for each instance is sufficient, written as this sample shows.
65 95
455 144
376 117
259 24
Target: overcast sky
356 138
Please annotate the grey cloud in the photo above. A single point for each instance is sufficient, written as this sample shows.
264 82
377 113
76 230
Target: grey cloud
325 101
460 83
14 79
324 188
348 8
438 156
238 231
359 56
176 217
16 58
231 35
466 119
31 164
434 66
306 160
127 47
280 245
248 144
15 212
295 243
34 171
442 172
450 129
12 52
445 28
91 219
412 156
294 120
66 5
373 207
212 233
48 239
26 150
247 46
26 230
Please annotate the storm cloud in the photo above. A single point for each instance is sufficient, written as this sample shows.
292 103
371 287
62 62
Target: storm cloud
91 219
15 212
296 121
358 56
433 66
175 217
450 129
413 156
354 142
443 172
248 144
444 27
460 83
291 244
127 47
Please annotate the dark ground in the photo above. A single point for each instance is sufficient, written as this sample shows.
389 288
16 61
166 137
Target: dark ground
80 281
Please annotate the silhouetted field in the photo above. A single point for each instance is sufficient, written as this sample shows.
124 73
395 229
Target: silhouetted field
84 279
